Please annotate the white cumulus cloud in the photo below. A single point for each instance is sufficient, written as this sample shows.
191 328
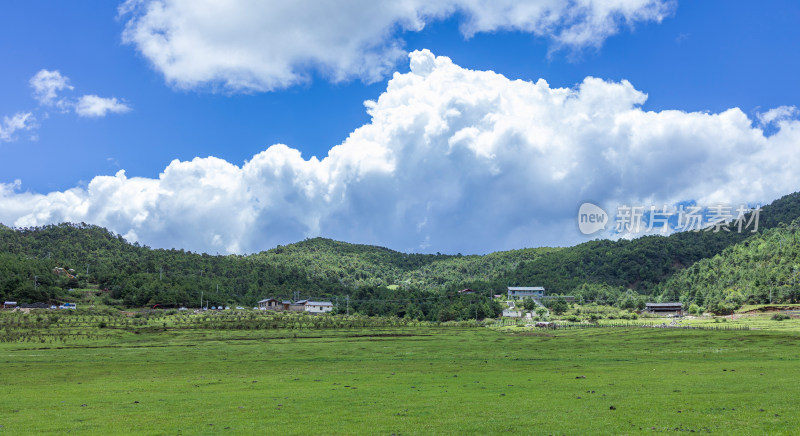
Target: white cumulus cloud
46 85
245 45
778 114
453 160
20 121
95 107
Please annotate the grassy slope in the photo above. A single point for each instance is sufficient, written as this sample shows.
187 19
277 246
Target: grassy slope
448 381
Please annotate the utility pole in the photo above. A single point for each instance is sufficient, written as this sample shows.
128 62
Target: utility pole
348 305
160 271
794 285
770 292
201 299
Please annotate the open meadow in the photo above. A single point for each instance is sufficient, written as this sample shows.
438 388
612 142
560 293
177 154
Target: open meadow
155 377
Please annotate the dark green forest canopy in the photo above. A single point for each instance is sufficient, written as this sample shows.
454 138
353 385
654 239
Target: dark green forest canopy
600 270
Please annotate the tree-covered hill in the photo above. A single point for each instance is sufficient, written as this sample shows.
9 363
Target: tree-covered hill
135 275
762 269
642 263
355 265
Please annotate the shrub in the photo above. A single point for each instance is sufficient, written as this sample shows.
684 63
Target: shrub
780 316
528 304
726 307
559 306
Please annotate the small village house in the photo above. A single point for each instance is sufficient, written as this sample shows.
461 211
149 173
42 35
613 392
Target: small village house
270 304
674 308
319 306
525 291
296 306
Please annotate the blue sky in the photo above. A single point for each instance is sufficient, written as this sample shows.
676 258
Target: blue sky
690 56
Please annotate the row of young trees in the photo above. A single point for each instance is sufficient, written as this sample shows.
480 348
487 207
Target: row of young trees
420 304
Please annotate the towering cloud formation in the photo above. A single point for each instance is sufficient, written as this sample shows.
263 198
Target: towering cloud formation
453 160
244 45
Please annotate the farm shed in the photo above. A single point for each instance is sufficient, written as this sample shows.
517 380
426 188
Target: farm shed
664 308
9 304
298 306
270 304
525 291
319 306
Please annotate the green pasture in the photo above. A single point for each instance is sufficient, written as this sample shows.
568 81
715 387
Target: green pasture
756 321
400 380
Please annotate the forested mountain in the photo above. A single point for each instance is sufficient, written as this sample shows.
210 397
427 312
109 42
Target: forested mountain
365 265
603 270
136 275
762 269
640 264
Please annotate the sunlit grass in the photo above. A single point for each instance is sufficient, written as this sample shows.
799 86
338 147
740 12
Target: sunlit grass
403 380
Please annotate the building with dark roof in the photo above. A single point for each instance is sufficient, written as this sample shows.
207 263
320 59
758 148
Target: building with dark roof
664 308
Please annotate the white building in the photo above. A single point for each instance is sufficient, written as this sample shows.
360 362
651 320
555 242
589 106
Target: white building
318 306
508 313
525 291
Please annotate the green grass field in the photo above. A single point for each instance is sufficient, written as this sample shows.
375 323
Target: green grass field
410 380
